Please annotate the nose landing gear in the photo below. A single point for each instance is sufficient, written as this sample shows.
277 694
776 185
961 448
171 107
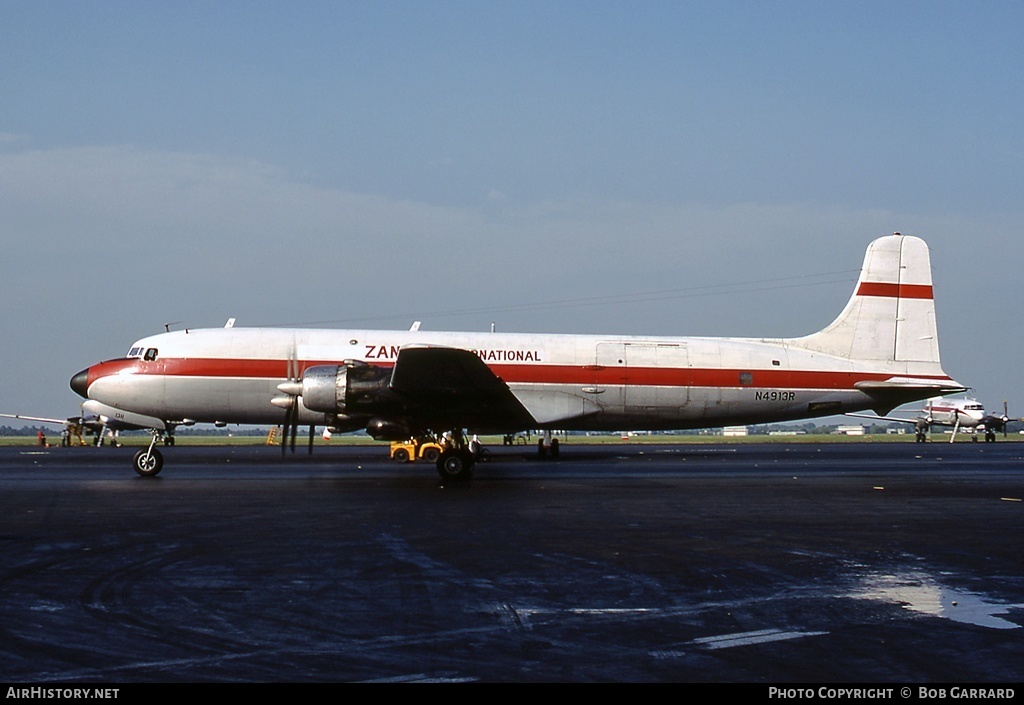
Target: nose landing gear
148 462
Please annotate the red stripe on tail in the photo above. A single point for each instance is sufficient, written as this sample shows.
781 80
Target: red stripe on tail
901 291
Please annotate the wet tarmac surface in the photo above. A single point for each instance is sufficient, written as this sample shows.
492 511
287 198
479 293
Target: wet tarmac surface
781 563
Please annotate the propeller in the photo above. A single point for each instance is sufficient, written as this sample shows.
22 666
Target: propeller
291 389
992 421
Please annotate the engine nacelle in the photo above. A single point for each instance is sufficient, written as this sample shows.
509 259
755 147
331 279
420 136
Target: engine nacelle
340 423
344 389
324 388
387 430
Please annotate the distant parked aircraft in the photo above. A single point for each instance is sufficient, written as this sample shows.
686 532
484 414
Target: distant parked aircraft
958 414
77 426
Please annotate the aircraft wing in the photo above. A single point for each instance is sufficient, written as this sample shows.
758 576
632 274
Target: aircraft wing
876 417
40 419
992 422
453 388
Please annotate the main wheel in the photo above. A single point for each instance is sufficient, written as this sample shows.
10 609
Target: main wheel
148 463
455 465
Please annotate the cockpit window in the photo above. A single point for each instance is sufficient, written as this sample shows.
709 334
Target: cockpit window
134 352
150 354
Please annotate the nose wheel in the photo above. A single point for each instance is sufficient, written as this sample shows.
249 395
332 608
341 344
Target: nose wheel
149 461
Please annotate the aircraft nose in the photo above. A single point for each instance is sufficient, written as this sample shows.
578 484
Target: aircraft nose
80 383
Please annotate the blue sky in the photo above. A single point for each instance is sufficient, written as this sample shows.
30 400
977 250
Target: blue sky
677 168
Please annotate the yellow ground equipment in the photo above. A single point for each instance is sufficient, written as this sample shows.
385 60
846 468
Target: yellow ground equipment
413 449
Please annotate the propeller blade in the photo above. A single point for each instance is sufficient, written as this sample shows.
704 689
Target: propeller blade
312 430
284 429
295 422
292 387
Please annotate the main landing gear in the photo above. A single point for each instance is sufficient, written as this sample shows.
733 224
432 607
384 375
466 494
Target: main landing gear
455 464
547 444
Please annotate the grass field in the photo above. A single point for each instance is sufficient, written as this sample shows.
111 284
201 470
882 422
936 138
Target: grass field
347 440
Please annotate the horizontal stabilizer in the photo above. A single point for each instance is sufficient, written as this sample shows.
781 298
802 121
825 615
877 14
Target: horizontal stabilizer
896 391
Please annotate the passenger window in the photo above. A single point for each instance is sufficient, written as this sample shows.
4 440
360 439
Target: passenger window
150 354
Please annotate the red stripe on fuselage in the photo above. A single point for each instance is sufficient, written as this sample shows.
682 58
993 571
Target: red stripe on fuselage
901 291
588 375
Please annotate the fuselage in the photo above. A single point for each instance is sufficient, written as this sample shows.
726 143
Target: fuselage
965 414
230 375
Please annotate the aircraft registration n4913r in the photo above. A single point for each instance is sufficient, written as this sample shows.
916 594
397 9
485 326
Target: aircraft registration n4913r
880 352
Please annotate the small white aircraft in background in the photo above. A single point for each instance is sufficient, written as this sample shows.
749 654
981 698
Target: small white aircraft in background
75 427
963 414
882 351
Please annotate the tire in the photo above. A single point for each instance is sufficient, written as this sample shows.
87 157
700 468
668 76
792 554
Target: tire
401 455
148 463
454 465
431 455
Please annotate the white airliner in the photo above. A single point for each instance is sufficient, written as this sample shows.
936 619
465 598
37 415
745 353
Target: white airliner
959 414
882 351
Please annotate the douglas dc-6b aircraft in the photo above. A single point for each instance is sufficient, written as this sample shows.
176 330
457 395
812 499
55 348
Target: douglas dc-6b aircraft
882 351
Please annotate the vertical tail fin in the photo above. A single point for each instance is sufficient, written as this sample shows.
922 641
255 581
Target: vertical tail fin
888 327
890 319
